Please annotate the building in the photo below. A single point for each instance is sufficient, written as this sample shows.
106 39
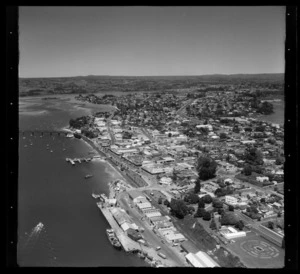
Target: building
143 206
174 237
200 259
231 200
137 196
231 233
125 226
271 235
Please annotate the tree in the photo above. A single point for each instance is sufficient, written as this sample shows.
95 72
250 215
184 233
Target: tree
197 186
160 200
253 156
265 108
223 136
217 203
178 208
206 168
167 203
247 170
191 209
230 208
200 212
191 198
270 225
279 160
201 203
236 129
221 211
206 216
207 199
240 225
213 225
263 200
229 218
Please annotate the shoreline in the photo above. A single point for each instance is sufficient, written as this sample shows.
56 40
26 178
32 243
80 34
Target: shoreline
107 161
110 184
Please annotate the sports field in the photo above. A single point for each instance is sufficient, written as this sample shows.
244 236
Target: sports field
257 252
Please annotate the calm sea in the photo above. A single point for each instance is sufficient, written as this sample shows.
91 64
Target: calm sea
55 193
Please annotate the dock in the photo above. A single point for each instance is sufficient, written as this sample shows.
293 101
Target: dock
79 160
128 244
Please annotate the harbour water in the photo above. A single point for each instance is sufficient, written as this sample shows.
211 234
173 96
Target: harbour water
54 192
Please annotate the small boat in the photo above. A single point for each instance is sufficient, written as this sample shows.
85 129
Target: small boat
51 150
88 176
70 135
64 149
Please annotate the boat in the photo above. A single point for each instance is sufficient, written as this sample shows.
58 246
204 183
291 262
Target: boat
70 135
88 176
112 238
95 196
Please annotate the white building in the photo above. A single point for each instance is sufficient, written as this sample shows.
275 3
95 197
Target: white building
200 259
262 179
231 233
231 200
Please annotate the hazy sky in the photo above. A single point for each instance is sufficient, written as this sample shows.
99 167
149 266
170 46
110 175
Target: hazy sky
72 41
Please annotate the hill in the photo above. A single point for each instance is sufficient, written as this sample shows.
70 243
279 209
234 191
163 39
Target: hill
93 83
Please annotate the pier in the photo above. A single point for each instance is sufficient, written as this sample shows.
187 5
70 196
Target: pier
79 160
43 132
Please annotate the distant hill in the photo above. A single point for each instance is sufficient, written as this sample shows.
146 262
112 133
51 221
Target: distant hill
95 83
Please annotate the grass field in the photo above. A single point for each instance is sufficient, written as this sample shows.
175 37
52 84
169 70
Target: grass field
257 252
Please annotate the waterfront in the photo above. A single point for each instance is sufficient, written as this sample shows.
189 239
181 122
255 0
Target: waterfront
55 193
278 116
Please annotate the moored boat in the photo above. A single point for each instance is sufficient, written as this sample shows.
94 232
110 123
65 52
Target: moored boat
113 238
88 176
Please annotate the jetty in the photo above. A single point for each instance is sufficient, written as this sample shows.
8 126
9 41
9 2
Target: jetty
128 244
84 159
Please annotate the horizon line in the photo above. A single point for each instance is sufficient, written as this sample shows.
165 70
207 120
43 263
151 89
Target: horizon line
190 75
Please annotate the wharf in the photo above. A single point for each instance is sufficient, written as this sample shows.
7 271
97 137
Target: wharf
128 244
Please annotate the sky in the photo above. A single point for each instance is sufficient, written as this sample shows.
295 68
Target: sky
150 41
